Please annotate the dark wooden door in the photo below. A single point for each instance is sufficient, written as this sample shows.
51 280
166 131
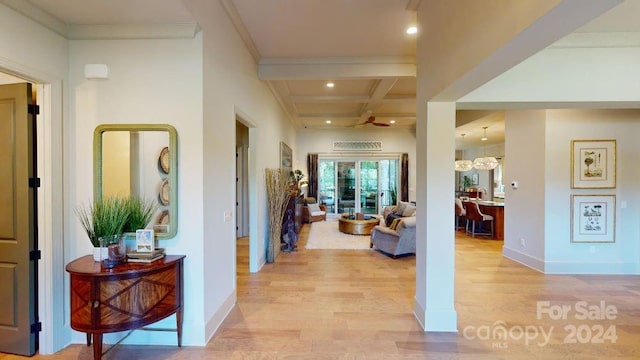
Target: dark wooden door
17 222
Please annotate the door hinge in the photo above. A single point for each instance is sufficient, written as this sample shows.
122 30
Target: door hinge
34 182
33 109
35 255
36 328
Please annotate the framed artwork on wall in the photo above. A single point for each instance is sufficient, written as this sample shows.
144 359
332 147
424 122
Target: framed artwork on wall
475 179
286 157
593 218
593 164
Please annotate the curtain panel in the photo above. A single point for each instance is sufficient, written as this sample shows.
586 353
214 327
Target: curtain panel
404 177
312 171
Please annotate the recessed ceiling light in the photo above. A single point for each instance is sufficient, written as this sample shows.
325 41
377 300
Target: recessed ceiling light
392 121
328 122
330 84
412 30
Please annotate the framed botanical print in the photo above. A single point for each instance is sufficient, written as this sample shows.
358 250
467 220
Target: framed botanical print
593 164
286 157
593 218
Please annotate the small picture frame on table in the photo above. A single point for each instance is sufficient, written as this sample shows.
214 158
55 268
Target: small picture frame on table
145 241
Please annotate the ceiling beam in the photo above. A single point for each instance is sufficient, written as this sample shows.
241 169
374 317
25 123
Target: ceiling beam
332 99
353 116
336 68
412 5
381 90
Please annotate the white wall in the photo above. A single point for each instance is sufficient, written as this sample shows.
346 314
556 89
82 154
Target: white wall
538 156
562 256
393 141
607 74
524 212
151 81
231 88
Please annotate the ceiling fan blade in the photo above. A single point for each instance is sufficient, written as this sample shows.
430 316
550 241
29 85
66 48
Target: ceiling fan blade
380 124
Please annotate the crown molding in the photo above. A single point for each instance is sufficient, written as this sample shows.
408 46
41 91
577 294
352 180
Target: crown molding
235 18
133 31
38 15
99 32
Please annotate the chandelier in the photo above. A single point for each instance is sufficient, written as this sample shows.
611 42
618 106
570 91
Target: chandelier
463 165
485 162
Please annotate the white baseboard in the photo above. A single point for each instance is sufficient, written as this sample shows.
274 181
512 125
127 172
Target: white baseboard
524 259
436 321
216 320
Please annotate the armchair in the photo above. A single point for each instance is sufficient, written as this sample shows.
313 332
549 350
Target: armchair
312 211
398 241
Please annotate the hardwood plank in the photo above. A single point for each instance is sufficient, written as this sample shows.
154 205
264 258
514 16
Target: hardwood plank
358 304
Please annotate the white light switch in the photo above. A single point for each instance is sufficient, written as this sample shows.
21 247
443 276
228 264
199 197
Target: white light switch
227 216
623 204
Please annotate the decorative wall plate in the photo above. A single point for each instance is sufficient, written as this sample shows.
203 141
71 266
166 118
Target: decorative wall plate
163 160
164 193
163 218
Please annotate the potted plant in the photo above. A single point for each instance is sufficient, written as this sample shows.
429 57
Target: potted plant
140 212
103 220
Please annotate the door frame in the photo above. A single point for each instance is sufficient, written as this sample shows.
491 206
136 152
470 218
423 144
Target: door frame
56 333
357 159
252 191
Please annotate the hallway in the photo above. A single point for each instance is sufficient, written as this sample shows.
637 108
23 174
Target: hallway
357 304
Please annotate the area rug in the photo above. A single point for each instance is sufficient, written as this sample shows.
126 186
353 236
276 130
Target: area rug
325 235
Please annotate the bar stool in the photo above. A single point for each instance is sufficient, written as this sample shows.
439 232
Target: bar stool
476 216
460 213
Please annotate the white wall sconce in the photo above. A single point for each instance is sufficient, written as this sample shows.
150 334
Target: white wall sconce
96 71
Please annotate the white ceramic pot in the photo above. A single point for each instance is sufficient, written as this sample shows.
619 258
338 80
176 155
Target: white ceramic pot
100 253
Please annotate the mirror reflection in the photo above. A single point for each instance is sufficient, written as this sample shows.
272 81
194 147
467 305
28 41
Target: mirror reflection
139 160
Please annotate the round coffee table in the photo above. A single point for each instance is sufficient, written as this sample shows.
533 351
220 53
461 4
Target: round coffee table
349 225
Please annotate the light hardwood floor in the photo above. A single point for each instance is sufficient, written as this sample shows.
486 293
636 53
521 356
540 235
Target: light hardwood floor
358 304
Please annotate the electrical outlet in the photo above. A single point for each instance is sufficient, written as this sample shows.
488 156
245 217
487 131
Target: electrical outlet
523 242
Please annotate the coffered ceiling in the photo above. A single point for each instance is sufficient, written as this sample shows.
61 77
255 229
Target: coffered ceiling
361 46
300 45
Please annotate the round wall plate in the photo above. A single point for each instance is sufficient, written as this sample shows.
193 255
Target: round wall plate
163 160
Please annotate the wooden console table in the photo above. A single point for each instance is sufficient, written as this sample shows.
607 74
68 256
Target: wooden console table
127 297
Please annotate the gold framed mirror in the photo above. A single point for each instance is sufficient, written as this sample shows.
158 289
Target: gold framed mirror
141 160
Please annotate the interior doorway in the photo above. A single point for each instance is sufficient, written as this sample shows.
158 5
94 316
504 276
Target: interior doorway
242 180
19 333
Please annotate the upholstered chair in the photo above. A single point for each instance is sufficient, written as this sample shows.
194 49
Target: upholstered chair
396 239
477 218
460 213
313 211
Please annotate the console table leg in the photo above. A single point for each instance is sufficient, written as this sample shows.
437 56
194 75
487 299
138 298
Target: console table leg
179 326
88 339
97 346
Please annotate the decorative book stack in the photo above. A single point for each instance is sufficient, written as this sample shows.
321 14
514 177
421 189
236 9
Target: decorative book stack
145 257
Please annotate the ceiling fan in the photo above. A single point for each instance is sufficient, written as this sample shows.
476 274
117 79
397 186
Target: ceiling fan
372 120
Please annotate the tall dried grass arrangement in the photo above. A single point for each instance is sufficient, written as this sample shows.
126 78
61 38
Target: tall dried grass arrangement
277 199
